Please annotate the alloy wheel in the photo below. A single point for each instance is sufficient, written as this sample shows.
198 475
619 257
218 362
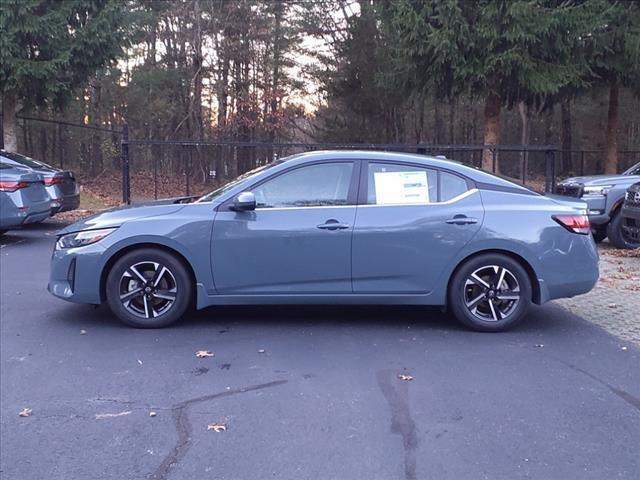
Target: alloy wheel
491 293
148 289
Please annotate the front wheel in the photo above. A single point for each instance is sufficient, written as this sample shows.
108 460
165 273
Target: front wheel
149 288
490 293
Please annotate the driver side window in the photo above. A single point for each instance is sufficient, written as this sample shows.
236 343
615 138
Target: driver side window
324 184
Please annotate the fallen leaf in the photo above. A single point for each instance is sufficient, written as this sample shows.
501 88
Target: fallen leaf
204 354
262 350
83 332
613 305
406 378
25 412
217 427
152 414
539 345
623 348
140 362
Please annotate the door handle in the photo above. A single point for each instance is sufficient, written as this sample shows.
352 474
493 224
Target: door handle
461 220
333 224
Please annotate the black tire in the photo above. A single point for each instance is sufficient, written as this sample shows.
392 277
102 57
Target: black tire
616 235
174 282
599 234
493 312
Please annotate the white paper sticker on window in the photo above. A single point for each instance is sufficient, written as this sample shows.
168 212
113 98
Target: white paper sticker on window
401 187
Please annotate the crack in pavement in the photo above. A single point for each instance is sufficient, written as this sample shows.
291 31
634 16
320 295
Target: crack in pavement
397 395
183 427
626 396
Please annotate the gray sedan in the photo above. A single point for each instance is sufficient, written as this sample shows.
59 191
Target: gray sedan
61 185
23 198
335 227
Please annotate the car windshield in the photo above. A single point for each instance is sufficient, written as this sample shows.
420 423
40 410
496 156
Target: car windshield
228 186
635 170
22 160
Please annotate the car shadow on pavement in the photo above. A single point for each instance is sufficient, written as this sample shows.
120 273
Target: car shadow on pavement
416 318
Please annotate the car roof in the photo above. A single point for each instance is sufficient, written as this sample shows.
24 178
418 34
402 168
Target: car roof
473 173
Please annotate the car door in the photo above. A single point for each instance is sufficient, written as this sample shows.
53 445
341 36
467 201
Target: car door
410 223
296 241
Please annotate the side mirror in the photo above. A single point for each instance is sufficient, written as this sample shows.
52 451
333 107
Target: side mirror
244 201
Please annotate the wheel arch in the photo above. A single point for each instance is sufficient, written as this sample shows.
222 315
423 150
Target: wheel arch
535 284
139 246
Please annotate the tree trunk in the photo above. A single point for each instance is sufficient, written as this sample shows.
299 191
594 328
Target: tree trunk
566 139
10 134
525 134
492 106
611 165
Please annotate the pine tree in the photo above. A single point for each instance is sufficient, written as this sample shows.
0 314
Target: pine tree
50 47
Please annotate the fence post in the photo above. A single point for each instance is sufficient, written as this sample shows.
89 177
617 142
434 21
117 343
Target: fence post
494 159
124 151
550 171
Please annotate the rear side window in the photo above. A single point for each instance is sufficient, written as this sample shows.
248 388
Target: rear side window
391 184
451 186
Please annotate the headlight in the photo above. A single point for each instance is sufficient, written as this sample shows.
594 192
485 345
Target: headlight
80 239
596 190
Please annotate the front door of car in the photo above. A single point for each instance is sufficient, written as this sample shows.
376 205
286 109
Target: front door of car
298 238
410 224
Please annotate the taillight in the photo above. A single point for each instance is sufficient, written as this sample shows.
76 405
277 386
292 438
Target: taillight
53 181
574 223
6 186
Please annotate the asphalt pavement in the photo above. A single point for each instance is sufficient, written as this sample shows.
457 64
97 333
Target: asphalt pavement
304 392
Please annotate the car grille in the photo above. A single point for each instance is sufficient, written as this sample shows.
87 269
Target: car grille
569 190
632 197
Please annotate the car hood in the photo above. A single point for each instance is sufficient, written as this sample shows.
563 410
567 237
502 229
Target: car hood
118 216
602 179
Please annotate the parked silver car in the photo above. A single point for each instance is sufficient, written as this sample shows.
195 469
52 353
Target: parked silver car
604 194
61 185
23 198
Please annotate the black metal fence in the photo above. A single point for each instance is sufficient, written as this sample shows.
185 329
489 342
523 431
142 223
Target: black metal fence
149 168
208 162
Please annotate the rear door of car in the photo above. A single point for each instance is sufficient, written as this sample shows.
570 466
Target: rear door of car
411 221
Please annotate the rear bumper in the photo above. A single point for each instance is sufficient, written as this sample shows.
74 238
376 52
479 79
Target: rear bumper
17 218
570 269
65 204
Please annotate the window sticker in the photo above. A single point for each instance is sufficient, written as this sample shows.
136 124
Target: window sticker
401 187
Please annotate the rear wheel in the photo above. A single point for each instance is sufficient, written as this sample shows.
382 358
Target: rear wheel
149 288
490 293
617 236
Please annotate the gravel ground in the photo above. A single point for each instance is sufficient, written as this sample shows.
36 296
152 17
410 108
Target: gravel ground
615 302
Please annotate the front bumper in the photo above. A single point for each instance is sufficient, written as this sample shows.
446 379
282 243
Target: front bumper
75 274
